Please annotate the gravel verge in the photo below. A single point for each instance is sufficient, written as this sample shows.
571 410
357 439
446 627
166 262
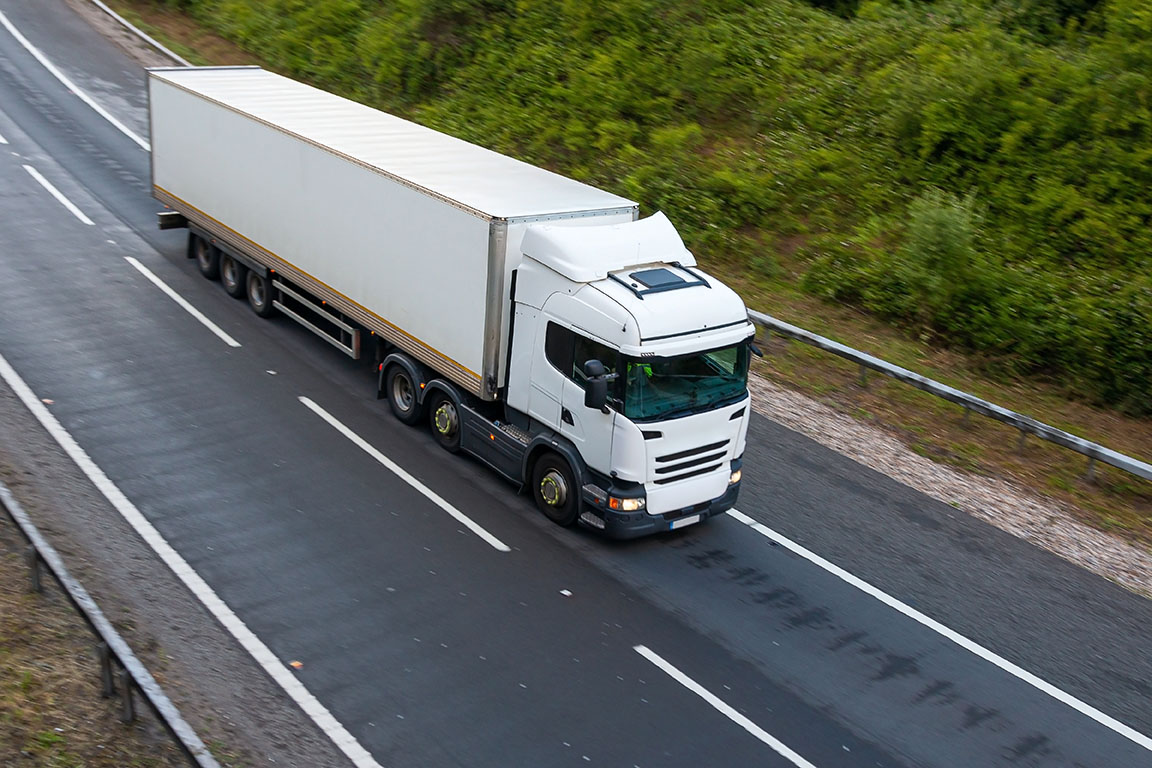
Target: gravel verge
1038 520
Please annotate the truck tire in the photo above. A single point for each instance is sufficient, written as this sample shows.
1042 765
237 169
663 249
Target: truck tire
207 257
233 276
403 397
444 417
554 489
259 291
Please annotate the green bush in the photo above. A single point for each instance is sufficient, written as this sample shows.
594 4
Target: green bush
850 125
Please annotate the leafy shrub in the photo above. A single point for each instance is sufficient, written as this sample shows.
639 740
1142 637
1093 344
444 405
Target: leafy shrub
753 120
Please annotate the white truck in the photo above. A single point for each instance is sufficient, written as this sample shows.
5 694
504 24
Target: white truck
532 320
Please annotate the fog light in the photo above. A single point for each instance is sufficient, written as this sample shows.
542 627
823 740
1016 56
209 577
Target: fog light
735 478
627 505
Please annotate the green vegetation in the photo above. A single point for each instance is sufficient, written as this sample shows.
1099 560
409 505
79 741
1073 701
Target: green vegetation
976 171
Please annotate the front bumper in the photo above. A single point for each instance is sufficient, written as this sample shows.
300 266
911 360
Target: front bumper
632 525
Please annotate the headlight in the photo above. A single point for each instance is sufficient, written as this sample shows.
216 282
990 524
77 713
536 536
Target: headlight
735 478
626 505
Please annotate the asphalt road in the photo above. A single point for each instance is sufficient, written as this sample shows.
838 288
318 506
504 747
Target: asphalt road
432 647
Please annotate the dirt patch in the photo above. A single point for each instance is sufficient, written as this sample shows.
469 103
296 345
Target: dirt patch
51 711
180 34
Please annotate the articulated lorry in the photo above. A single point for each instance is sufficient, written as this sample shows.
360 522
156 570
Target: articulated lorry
532 321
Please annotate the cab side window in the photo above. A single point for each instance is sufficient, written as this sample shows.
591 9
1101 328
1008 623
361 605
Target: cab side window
558 343
568 351
586 349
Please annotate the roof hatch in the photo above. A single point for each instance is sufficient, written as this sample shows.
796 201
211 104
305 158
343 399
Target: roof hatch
660 279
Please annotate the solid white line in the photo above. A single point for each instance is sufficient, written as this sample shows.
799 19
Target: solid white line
48 65
968 645
183 303
778 746
3 140
259 651
400 472
58 195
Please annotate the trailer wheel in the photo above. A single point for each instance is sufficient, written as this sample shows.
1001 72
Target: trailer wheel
207 258
259 291
554 489
402 395
445 419
233 276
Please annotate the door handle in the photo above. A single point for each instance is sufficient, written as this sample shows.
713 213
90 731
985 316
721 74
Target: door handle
566 417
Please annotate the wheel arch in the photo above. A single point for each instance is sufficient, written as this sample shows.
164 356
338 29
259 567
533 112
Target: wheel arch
447 387
554 443
417 372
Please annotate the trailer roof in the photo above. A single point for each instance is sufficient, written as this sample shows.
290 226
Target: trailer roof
471 176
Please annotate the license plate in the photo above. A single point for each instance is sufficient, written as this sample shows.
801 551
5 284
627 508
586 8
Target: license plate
685 521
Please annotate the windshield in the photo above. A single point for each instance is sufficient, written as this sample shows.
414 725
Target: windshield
667 387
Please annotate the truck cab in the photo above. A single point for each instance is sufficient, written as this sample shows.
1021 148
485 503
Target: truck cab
628 356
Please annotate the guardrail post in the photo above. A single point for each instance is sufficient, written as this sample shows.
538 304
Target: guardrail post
128 710
33 558
109 647
967 418
107 681
1091 469
1020 442
863 375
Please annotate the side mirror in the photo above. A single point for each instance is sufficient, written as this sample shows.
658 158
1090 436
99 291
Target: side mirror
596 394
596 385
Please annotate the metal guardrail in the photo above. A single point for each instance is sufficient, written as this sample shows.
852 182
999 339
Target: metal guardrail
119 666
1027 425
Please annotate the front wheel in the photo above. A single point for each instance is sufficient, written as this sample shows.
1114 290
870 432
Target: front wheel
554 489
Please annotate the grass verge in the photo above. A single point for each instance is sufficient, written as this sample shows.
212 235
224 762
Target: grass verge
51 712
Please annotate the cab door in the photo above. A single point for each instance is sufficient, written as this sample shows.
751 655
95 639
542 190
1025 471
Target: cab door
588 428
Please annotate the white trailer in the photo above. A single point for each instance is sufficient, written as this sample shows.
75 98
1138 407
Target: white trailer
531 318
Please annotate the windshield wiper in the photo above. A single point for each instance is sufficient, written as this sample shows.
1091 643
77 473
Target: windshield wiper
688 410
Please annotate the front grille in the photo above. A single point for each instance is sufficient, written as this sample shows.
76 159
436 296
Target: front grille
686 475
692 451
691 462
